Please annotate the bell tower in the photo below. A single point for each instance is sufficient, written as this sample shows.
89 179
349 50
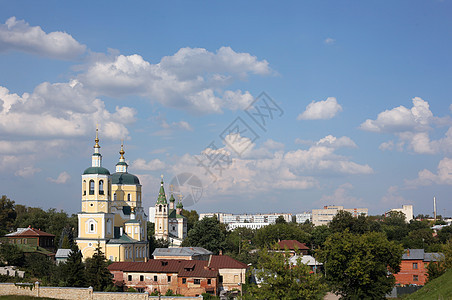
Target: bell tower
161 215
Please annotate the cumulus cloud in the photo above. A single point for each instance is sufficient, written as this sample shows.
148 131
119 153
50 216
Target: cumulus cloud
329 141
265 168
17 35
142 165
341 196
412 127
192 79
62 178
426 177
321 110
27 172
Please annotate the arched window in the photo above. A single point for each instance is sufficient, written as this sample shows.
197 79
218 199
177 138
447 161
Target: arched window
101 187
114 196
129 197
91 227
160 208
91 187
84 187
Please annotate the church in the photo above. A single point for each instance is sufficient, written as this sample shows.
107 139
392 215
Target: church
112 214
113 217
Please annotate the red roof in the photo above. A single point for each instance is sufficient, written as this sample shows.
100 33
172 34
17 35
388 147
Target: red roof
184 268
29 232
292 245
225 262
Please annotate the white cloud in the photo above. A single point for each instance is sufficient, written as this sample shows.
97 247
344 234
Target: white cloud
192 79
17 35
412 127
393 198
341 196
153 165
62 178
426 177
329 41
332 141
326 109
27 172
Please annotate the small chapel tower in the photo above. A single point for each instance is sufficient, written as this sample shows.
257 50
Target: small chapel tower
161 214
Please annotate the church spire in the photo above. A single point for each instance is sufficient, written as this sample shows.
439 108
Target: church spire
162 197
96 160
121 166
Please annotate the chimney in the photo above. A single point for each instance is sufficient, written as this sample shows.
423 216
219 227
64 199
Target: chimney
221 252
408 252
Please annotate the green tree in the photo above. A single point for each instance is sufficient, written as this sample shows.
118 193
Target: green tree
11 255
192 217
445 234
7 215
41 267
279 279
272 233
280 220
394 226
74 269
319 235
96 273
357 266
207 233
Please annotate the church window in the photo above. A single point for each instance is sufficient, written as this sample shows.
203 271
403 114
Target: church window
101 187
91 187
91 226
84 187
160 208
114 196
129 197
174 228
136 230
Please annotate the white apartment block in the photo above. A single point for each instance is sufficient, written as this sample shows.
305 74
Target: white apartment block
303 217
324 215
407 210
232 226
247 218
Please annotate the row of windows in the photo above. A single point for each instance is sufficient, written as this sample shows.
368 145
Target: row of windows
139 253
92 187
184 280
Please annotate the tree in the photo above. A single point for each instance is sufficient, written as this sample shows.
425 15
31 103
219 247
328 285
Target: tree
11 255
207 233
357 266
192 217
74 269
280 220
270 234
7 215
97 274
279 279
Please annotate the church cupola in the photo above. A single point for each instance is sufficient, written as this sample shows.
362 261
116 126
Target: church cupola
172 201
121 166
96 160
162 197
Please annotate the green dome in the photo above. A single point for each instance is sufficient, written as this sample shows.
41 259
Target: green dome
124 178
179 205
96 170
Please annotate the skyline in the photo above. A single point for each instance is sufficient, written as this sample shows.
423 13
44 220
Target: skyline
335 104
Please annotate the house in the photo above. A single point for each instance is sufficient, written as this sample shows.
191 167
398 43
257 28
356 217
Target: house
293 246
182 276
32 237
187 253
413 268
308 260
62 255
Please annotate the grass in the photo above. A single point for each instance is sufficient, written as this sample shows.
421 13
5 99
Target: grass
439 288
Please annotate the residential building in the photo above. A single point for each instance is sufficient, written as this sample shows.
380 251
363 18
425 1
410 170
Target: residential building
406 209
232 226
186 253
326 214
186 277
293 247
413 268
303 217
32 237
112 215
240 220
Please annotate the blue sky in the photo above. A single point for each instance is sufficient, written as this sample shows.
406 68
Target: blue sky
363 91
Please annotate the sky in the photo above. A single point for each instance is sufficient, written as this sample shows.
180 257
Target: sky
245 106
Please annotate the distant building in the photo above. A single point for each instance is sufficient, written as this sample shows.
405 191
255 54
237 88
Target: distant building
187 253
232 226
406 209
62 255
303 217
247 218
326 214
413 268
308 260
293 246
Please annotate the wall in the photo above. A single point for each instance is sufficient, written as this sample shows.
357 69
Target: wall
76 293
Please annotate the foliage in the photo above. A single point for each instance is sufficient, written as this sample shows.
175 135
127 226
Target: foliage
207 233
272 233
192 217
445 234
357 265
280 220
279 279
74 269
131 290
319 235
96 272
11 255
42 267
7 215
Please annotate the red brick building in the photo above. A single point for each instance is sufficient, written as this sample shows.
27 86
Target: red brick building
186 277
413 268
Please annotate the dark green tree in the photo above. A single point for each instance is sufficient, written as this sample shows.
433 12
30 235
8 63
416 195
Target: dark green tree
96 273
41 267
279 279
357 266
394 226
268 235
11 255
319 235
280 220
7 215
192 217
207 233
74 269
445 234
